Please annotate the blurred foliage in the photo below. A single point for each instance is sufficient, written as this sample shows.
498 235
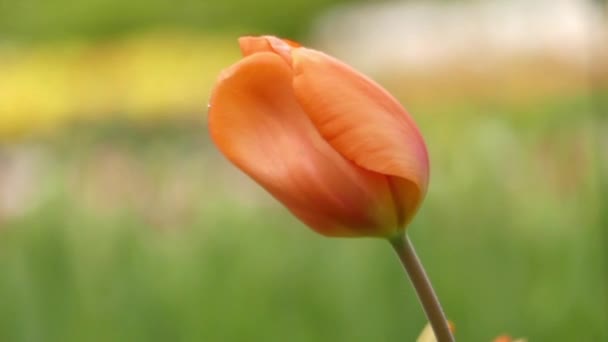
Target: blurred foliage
146 233
60 19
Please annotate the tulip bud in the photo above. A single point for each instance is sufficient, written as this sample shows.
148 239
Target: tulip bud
333 146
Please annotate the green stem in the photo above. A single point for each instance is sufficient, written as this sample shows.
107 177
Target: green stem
430 303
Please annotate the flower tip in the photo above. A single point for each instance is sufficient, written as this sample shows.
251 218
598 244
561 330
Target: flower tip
283 47
250 45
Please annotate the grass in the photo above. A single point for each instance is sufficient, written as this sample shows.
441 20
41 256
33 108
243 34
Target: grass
146 234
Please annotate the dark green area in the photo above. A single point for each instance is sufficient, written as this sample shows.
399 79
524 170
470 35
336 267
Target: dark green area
98 19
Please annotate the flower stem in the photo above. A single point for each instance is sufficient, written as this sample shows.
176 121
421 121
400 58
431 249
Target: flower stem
430 303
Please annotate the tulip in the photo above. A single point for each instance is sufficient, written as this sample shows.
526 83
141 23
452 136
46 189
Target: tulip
332 145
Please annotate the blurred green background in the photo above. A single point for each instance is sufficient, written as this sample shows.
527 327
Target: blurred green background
119 221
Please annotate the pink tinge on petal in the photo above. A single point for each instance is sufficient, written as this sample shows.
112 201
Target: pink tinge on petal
282 47
250 45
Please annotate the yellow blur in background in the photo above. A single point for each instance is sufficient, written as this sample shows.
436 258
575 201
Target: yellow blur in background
148 76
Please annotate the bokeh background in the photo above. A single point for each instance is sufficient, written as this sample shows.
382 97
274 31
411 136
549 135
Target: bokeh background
119 221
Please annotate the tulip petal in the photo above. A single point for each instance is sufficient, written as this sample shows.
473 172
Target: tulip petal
364 123
250 45
256 121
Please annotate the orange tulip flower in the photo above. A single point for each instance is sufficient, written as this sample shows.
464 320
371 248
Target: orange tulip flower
333 146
